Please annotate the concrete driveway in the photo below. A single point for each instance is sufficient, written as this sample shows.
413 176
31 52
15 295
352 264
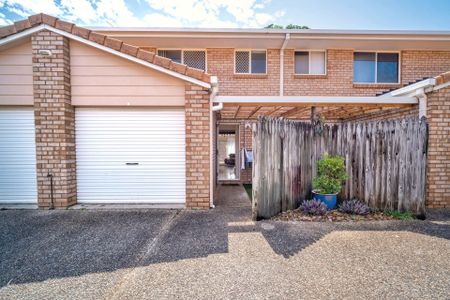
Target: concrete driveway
159 254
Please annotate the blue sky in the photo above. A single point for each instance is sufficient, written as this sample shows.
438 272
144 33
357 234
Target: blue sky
317 14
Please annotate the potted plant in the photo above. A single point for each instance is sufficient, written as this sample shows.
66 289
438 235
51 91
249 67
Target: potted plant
330 177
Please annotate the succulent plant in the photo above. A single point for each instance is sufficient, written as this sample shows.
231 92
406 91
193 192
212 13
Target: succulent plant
314 207
354 207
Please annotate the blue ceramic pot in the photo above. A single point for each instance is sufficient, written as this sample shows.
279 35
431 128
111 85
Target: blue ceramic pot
328 199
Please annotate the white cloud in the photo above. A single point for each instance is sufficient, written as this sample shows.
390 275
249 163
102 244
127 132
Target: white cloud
212 13
79 10
34 7
116 12
4 20
174 13
160 20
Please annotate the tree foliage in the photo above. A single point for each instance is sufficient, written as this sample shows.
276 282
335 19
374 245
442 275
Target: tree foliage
290 26
330 174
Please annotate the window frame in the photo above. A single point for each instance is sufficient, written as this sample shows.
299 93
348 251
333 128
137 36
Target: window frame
399 75
249 61
182 54
309 62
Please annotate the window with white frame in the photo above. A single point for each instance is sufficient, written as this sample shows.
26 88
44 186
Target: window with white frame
192 58
310 62
376 67
250 62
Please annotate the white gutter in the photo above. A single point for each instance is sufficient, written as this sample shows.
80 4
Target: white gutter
212 108
418 90
315 100
411 89
286 40
271 31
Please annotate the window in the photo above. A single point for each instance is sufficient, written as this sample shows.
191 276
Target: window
192 58
310 62
374 67
250 62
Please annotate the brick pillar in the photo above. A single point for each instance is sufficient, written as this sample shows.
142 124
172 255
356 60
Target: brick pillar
54 119
438 164
197 146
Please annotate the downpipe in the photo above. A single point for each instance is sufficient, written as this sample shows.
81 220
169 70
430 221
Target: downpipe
50 177
212 109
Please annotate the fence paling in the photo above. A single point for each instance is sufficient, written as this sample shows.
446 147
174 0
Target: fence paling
386 162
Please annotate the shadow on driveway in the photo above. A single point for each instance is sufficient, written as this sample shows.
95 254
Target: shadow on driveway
40 245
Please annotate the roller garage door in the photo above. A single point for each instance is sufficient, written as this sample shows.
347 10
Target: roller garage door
18 183
130 155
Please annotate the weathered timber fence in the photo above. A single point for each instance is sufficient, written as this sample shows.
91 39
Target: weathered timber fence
386 162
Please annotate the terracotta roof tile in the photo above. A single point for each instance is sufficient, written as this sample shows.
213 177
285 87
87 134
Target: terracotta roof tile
7 30
97 38
63 25
22 25
35 19
129 49
443 78
162 61
106 41
49 20
81 32
113 43
145 55
196 73
179 68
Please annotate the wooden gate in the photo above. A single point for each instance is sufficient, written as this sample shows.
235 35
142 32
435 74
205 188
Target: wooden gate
386 162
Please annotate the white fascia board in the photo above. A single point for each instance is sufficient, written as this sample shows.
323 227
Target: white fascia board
441 86
411 89
20 35
315 100
265 30
30 31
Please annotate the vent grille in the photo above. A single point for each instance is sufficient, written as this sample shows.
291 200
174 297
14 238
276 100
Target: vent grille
195 59
242 61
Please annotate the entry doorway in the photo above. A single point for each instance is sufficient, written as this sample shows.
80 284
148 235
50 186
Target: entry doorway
228 152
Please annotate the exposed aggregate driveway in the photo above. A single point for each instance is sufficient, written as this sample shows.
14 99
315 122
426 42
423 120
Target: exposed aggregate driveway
216 254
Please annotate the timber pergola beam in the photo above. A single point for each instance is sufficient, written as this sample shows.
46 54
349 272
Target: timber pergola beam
254 112
294 111
315 101
237 112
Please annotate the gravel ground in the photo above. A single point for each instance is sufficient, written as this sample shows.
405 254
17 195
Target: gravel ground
220 253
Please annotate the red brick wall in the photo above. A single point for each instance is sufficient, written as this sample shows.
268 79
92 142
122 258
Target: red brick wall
221 63
197 146
54 119
438 168
339 78
338 81
418 64
386 114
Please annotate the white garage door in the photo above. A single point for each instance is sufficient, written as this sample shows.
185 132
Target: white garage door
18 183
130 155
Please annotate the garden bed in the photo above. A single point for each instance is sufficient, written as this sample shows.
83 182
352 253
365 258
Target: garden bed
337 216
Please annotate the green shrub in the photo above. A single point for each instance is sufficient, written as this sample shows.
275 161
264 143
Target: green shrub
330 174
407 215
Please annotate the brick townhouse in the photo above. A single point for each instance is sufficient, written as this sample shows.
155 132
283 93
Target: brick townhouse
161 116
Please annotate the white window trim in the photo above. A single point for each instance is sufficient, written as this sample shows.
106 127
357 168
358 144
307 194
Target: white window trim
309 61
376 66
182 54
249 61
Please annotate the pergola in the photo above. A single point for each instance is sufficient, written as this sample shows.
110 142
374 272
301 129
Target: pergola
301 107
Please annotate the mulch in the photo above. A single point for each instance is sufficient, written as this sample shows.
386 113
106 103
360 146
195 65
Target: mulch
330 216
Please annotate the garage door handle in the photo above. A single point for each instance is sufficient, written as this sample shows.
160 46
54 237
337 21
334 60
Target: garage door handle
132 163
